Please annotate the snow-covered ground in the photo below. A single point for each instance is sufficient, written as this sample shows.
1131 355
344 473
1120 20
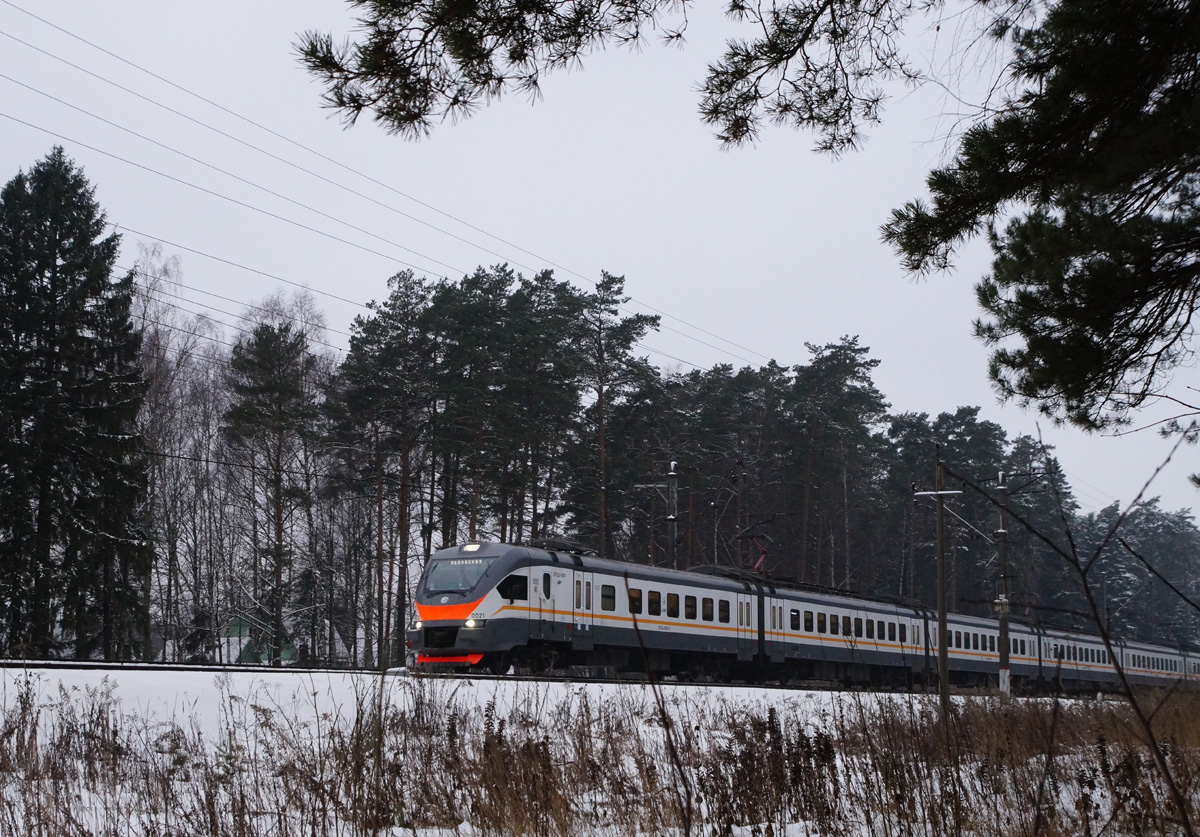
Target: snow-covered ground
289 752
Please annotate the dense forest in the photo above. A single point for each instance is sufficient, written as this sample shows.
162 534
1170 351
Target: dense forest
263 484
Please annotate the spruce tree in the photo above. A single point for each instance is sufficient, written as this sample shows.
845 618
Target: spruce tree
274 411
73 561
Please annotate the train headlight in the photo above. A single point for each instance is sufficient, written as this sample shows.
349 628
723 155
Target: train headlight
473 623
417 625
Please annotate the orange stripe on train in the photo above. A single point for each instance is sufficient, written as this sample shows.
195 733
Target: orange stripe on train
473 659
445 613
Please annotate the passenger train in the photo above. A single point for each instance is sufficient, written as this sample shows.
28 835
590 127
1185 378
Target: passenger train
491 607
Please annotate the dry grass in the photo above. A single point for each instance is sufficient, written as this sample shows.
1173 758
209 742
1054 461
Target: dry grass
435 759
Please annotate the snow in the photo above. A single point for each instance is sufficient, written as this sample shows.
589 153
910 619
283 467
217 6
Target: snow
284 751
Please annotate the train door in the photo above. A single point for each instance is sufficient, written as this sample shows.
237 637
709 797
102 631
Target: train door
747 625
582 600
544 589
776 644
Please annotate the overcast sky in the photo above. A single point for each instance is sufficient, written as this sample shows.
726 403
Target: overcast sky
749 254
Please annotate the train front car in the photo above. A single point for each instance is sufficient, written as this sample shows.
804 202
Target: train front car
459 625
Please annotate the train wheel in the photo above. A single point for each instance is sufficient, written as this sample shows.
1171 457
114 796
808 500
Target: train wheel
498 663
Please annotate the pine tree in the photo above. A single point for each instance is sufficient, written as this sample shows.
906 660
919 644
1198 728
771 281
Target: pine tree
72 473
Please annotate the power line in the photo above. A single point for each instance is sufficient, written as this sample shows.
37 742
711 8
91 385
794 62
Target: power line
243 204
214 194
356 172
230 174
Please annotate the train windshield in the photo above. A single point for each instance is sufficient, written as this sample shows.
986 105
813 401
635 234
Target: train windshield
455 575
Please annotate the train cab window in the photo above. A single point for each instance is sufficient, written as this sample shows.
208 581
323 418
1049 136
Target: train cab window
820 623
513 588
706 610
654 603
903 633
673 605
608 597
795 620
834 623
845 626
808 622
689 607
870 629
858 629
545 585
723 611
891 631
635 600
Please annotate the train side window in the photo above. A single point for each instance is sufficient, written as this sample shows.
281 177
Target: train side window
858 630
654 603
870 629
795 620
608 597
514 587
578 594
879 628
958 639
845 626
635 600
706 610
808 622
820 623
545 585
991 643
673 605
587 596
723 611
834 623
739 614
689 607
975 642
903 633
891 631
